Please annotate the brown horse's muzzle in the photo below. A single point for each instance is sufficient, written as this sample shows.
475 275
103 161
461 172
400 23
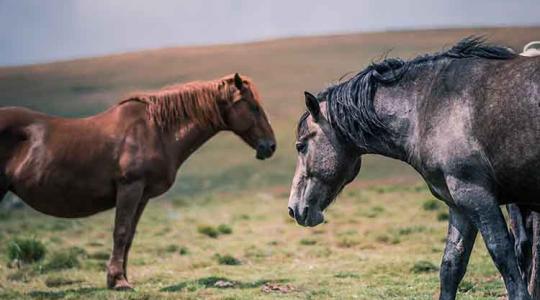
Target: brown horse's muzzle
265 149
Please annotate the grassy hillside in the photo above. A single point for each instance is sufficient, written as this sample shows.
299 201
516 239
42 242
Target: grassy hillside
282 69
223 231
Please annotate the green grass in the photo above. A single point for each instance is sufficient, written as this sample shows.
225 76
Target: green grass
266 256
25 250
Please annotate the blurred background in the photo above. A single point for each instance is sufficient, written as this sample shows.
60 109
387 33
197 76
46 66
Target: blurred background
107 49
76 58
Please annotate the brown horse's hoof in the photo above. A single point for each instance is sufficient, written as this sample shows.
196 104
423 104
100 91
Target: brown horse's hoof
122 285
118 283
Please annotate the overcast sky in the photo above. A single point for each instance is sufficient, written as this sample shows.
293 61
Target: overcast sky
34 31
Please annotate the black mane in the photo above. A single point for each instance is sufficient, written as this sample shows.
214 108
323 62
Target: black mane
350 103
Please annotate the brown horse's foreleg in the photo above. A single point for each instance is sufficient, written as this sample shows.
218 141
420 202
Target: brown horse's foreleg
128 198
138 214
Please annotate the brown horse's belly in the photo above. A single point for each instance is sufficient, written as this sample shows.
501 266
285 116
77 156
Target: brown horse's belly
66 203
62 183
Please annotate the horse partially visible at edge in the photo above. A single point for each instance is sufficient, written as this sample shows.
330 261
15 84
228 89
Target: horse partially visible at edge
525 224
124 156
466 119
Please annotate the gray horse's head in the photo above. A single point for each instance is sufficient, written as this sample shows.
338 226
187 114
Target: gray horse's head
326 163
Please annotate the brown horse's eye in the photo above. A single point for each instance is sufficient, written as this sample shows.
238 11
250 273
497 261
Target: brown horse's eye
255 109
301 147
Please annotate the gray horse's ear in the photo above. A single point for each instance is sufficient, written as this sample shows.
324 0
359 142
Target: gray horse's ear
238 82
312 105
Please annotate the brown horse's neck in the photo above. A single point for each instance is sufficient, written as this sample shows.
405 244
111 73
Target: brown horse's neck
189 137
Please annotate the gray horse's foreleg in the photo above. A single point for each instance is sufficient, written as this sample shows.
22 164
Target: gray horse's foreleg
128 199
459 243
478 203
534 278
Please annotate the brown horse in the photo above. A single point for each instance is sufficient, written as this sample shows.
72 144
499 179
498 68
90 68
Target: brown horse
124 156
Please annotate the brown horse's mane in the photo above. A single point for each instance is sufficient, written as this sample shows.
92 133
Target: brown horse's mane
196 101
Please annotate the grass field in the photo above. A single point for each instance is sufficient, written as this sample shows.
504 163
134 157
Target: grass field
381 242
384 236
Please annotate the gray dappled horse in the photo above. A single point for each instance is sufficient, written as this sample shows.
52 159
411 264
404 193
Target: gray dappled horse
467 119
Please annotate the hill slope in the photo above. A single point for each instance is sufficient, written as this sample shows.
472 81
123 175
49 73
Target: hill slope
282 69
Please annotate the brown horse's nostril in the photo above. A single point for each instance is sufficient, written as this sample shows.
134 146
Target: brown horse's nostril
273 147
291 212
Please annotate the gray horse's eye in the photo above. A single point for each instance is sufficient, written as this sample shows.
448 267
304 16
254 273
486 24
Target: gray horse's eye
301 147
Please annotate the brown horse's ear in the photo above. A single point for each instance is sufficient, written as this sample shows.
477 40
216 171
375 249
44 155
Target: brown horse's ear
238 82
312 105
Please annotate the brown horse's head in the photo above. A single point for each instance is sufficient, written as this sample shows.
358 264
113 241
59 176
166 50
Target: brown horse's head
245 116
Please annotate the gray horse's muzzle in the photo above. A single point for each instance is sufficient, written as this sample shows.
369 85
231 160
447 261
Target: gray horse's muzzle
306 216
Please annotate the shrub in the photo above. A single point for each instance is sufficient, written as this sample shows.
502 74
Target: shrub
431 204
208 231
423 266
26 250
227 260
224 229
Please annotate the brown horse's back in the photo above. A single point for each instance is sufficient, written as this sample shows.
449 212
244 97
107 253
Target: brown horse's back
44 155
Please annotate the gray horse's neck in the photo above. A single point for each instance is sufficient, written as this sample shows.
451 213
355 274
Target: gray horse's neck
396 105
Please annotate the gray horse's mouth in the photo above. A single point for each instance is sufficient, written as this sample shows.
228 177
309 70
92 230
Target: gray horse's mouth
309 217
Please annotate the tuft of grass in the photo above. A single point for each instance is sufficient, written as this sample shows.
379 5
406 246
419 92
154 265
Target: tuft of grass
99 255
183 251
208 231
424 266
94 244
171 248
56 281
347 242
227 259
346 275
24 274
26 250
308 242
411 229
374 211
431 204
224 229
442 216
465 286
387 239
67 259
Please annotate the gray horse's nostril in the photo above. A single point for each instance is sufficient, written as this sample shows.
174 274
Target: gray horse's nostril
291 212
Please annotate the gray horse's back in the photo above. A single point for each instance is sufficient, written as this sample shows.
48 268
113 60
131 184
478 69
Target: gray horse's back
506 123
